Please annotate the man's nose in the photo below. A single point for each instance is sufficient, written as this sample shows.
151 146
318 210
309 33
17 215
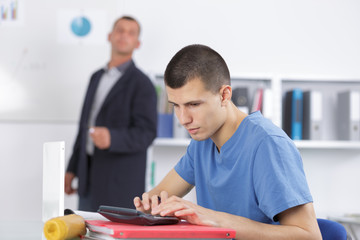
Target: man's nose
184 117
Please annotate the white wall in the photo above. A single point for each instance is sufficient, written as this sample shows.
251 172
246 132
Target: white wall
258 36
21 158
333 177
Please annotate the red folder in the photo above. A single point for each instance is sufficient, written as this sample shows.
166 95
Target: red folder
180 230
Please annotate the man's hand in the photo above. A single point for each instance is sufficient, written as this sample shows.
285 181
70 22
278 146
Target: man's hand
149 202
101 137
69 177
193 213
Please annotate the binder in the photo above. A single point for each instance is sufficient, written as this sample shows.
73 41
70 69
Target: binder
312 115
165 125
292 115
267 105
240 98
349 115
180 230
258 100
179 131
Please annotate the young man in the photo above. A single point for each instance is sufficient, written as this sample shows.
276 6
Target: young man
247 172
117 125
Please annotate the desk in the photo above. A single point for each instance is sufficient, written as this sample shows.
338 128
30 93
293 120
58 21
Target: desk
20 230
33 230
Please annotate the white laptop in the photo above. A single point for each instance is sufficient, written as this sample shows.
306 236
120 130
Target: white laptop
53 180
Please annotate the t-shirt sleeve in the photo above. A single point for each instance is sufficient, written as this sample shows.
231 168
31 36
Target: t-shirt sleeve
279 177
185 167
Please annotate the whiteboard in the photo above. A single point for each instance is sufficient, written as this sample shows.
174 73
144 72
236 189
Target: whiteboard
44 66
45 69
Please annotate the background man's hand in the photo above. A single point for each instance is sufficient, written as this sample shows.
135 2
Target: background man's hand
69 177
101 137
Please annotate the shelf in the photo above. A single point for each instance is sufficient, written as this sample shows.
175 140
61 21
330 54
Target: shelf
300 144
329 85
171 142
319 79
346 145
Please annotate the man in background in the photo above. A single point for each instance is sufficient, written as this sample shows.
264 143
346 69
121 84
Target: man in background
117 125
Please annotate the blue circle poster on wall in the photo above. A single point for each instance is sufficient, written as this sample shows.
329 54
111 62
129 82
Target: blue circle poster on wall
80 26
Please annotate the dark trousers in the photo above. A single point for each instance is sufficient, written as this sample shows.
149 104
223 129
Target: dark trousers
85 201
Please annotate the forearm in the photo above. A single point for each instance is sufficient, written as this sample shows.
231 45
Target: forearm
249 229
155 191
173 184
295 223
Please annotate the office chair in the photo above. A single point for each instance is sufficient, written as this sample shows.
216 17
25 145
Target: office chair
331 230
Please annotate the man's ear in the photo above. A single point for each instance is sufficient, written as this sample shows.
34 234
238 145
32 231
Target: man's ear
109 37
226 93
138 44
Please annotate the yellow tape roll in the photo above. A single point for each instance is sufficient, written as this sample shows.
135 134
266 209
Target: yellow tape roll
66 227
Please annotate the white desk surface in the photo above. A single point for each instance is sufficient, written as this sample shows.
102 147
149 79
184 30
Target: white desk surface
20 230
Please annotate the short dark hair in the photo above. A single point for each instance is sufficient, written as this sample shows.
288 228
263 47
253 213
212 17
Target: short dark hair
129 18
197 61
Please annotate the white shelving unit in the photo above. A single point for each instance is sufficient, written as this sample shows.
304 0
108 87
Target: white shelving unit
329 86
171 142
300 144
324 145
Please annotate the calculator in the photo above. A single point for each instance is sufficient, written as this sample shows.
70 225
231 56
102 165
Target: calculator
132 216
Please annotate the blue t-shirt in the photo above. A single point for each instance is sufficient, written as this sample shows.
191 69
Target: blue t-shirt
257 174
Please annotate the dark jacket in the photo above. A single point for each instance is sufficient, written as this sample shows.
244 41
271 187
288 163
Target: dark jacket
117 174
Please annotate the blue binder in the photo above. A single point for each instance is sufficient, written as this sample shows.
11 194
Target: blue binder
292 115
296 114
